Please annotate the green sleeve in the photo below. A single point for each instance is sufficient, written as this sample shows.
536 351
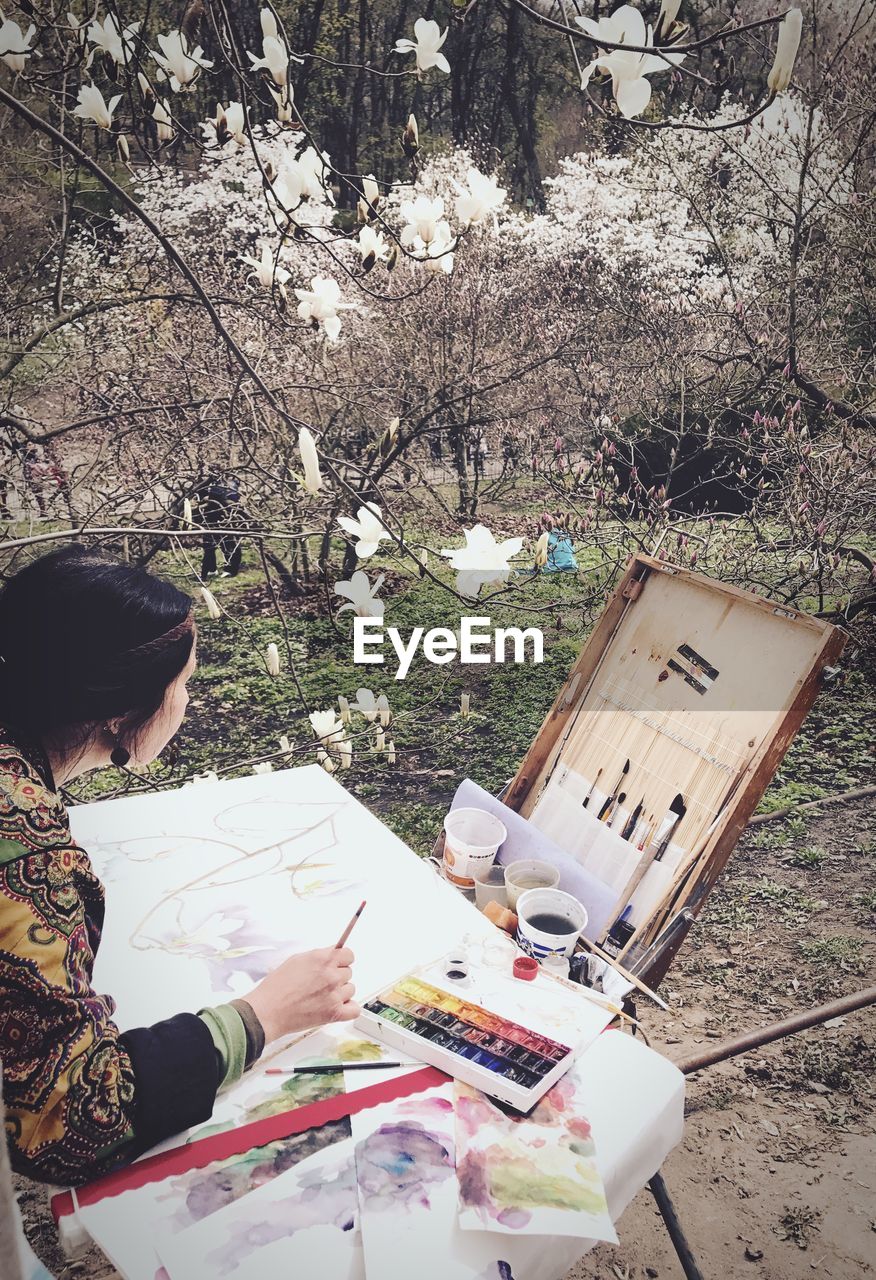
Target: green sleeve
229 1036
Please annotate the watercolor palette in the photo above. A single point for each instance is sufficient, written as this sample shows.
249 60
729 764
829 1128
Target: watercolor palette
459 1032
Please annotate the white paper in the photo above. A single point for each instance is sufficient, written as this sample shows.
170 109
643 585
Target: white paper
210 887
303 1223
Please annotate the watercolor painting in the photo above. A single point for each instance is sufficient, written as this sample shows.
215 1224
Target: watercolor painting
225 880
536 1174
408 1211
304 1220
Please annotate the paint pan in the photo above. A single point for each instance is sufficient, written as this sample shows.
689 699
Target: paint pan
492 1052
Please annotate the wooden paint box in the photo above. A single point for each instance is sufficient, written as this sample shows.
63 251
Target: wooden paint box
686 686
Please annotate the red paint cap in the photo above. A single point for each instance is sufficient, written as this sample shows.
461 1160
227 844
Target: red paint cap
525 967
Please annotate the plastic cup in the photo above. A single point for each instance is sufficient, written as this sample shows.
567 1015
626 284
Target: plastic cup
490 886
568 919
528 873
471 842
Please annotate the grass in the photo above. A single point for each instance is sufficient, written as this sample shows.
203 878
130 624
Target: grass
840 951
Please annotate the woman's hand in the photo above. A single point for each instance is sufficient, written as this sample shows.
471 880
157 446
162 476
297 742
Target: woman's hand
306 991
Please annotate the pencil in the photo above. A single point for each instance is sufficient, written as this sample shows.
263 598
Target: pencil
349 929
331 1066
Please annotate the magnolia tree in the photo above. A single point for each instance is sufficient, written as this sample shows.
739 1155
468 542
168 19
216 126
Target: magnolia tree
684 319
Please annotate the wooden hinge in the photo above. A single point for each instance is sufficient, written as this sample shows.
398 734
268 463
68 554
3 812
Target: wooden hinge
633 589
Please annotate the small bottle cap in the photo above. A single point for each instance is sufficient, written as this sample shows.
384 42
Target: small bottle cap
525 967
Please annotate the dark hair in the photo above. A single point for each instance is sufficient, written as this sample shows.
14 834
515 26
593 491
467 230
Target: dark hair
75 632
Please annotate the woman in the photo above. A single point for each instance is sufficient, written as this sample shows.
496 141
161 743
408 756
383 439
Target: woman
94 661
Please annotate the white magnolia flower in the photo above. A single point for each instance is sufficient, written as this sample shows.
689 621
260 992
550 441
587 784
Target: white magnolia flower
361 595
92 106
264 767
265 270
790 30
666 18
272 660
210 602
345 753
283 99
379 740
426 44
482 560
187 511
269 23
321 303
78 27
384 715
309 460
327 762
314 168
482 198
275 60
15 44
422 217
439 252
344 706
372 247
371 190
285 745
541 551
180 65
465 705
628 70
116 44
390 751
210 776
411 138
326 725
366 704
368 529
163 120
229 124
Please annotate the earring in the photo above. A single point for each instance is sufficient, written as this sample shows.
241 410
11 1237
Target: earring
119 755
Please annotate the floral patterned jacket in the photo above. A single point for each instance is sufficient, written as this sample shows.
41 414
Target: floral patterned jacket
80 1097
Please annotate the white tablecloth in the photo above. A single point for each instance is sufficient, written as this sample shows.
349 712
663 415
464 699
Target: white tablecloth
634 1099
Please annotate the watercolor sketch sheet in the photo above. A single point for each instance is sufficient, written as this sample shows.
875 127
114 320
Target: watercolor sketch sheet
209 887
409 1205
129 1226
303 1223
535 1173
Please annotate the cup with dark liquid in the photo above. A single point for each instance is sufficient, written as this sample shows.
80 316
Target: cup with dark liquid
549 922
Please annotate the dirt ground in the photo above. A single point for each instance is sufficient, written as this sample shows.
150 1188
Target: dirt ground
775 1178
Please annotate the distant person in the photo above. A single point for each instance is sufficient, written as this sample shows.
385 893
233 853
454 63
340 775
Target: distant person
219 499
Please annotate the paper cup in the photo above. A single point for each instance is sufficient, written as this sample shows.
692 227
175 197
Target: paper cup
528 873
490 886
559 919
471 842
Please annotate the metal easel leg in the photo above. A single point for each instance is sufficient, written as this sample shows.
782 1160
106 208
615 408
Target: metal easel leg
676 1234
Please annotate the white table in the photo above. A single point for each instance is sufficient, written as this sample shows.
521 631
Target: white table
635 1098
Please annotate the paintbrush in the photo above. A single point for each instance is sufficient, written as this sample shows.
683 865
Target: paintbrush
634 820
610 799
589 796
678 808
349 929
331 1067
615 809
653 853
